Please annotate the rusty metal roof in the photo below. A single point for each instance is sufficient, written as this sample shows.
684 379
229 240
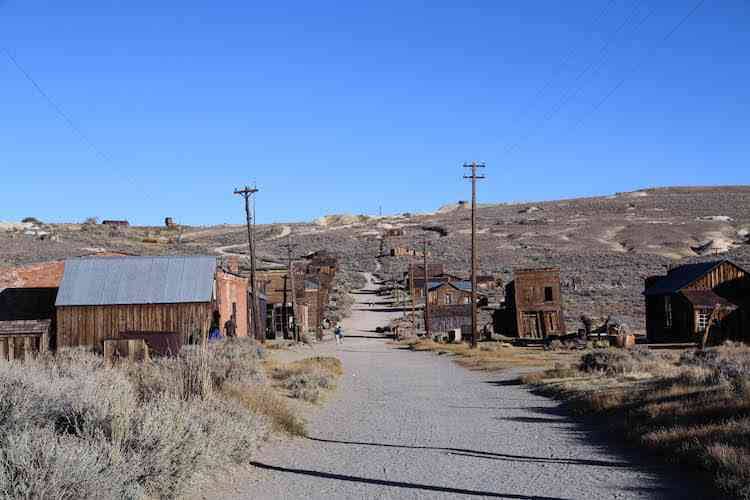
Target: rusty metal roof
137 280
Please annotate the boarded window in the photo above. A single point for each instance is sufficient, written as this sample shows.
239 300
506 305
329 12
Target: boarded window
548 295
667 312
448 299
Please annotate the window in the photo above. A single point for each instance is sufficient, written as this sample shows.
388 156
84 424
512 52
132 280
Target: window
702 318
548 295
448 299
467 300
667 312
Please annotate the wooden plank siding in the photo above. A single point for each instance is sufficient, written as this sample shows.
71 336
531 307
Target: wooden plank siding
723 274
90 325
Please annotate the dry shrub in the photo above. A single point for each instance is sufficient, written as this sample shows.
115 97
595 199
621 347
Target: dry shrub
40 463
694 410
558 372
733 468
625 361
304 379
200 370
67 425
263 400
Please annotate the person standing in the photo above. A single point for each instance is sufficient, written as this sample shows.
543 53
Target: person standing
339 333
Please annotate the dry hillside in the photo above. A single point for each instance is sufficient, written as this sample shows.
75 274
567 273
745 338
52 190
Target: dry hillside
605 245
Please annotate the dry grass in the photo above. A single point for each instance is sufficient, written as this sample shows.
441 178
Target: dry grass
493 355
69 428
264 400
692 408
308 378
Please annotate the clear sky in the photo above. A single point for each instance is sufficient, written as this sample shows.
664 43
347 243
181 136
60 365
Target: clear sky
336 107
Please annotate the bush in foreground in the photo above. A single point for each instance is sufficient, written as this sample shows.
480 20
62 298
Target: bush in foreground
71 429
694 409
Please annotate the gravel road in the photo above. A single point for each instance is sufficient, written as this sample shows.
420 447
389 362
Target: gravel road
415 425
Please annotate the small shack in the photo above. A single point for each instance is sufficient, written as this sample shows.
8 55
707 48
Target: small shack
534 307
104 297
679 304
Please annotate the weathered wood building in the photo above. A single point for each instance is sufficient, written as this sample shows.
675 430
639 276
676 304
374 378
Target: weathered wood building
533 305
680 303
101 298
448 293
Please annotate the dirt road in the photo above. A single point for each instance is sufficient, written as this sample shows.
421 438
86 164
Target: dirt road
415 425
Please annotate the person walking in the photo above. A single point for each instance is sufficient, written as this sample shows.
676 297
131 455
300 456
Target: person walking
339 333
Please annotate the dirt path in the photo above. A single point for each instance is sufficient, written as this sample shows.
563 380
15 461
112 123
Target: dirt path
227 249
416 425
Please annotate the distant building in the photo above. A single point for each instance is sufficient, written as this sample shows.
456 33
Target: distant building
450 293
679 304
117 223
533 305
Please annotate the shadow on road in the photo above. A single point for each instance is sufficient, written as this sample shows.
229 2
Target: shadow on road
398 484
489 455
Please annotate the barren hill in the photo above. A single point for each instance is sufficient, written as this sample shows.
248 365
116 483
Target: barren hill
604 245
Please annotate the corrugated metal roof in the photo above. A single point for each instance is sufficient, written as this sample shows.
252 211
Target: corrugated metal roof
137 280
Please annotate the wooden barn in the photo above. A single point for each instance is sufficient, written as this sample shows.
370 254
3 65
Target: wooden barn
534 307
679 304
103 298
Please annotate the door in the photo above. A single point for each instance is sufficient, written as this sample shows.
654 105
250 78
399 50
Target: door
550 322
531 325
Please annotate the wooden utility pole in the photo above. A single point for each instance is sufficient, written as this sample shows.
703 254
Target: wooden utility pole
247 193
426 292
474 166
290 247
411 293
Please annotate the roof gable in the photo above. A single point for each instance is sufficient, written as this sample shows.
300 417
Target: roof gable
681 276
137 280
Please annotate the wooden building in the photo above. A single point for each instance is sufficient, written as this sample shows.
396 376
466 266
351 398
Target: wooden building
395 232
449 293
679 304
444 318
534 307
102 298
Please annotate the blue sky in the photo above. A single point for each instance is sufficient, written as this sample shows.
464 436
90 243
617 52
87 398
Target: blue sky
339 107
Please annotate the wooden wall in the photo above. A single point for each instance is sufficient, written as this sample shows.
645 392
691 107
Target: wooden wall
529 301
724 273
90 325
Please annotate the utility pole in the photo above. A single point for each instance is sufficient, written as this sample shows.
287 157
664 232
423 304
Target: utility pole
411 293
290 247
247 193
474 166
426 290
284 311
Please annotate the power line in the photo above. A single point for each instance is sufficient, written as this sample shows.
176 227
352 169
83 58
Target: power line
55 107
548 83
593 67
638 64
